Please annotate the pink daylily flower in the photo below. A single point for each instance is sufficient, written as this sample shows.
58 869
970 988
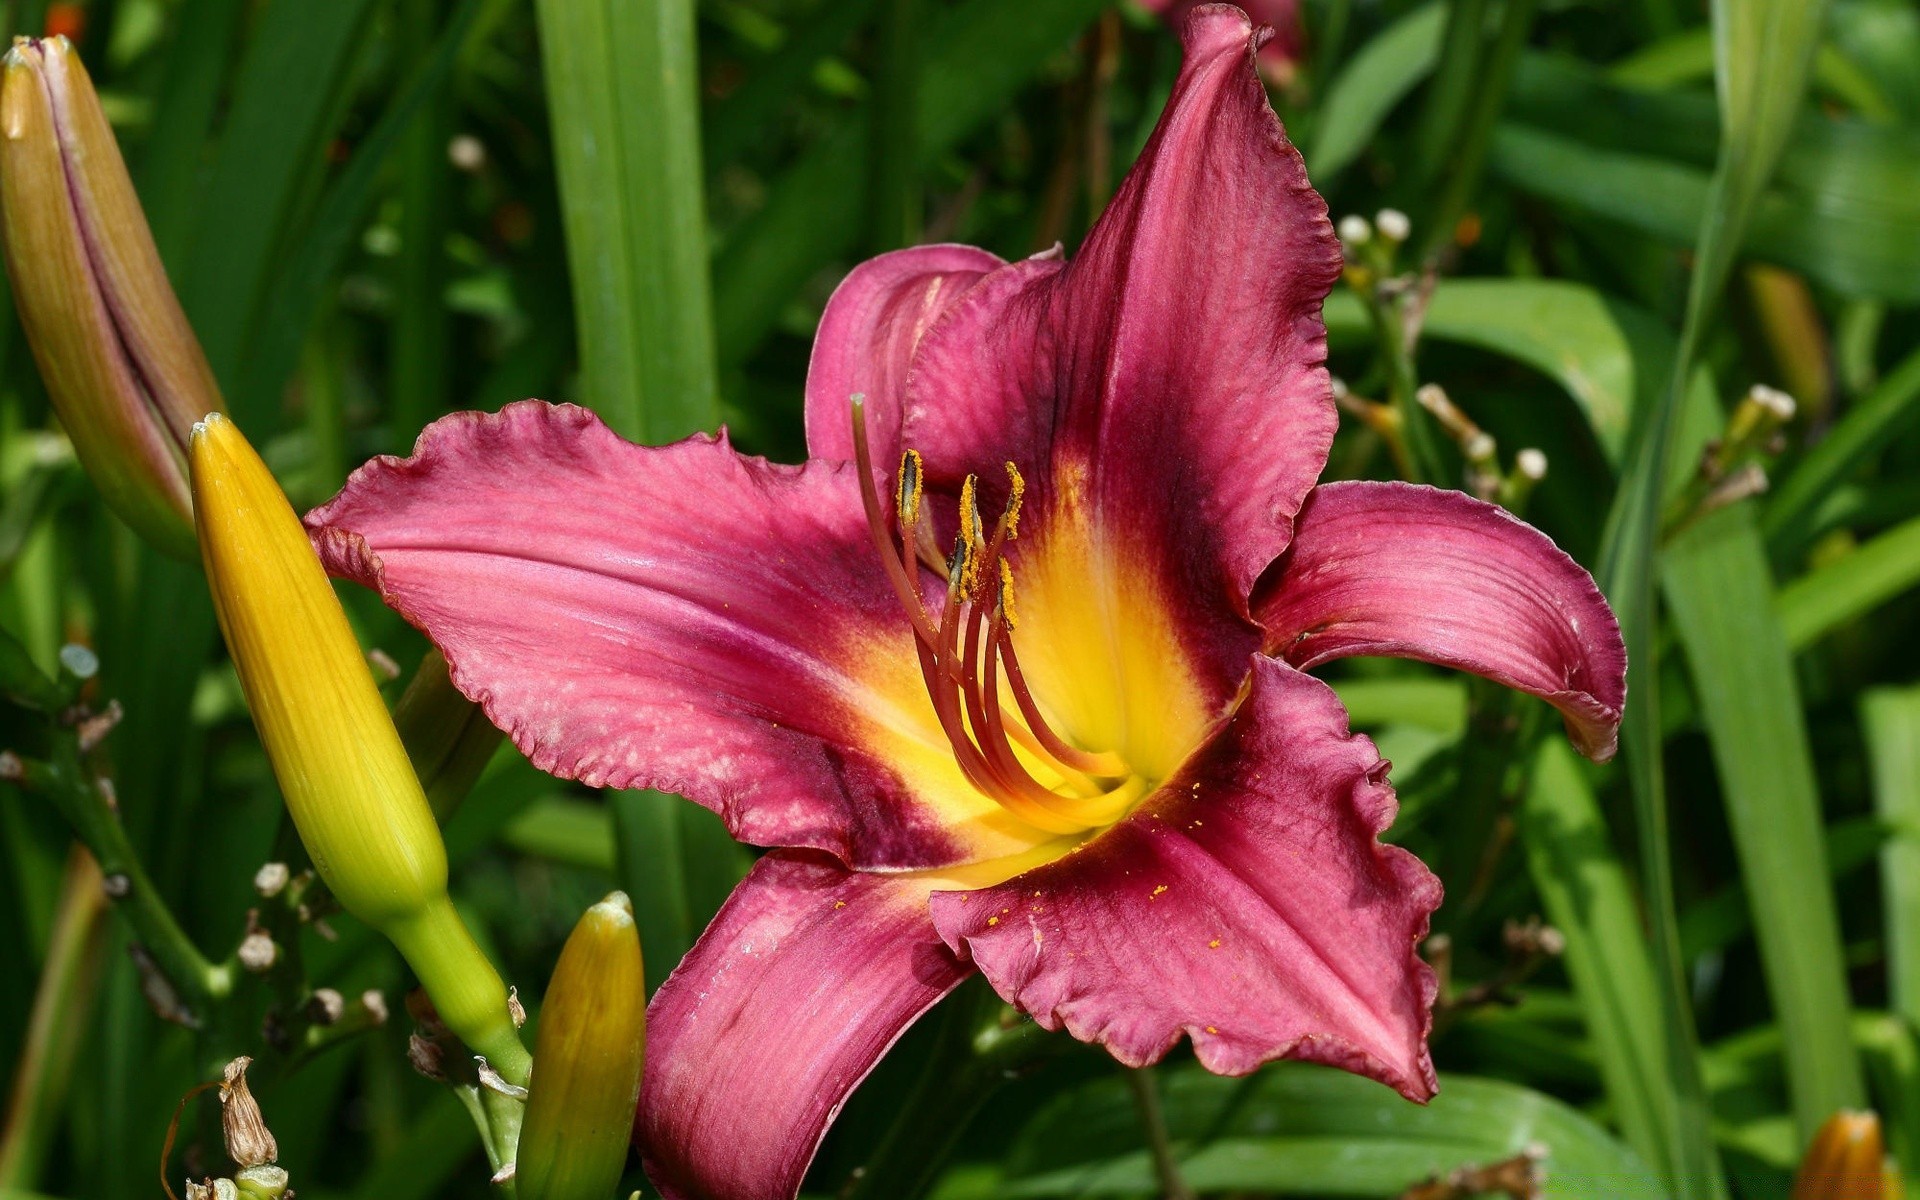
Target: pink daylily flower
1010 674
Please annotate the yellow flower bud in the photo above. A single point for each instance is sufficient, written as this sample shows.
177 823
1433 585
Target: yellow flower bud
1846 1161
347 782
121 365
588 1058
446 735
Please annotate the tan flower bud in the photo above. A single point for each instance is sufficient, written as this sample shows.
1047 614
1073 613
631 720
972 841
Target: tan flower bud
121 364
1846 1161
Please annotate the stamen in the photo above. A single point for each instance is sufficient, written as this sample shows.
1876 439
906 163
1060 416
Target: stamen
961 673
883 544
1105 765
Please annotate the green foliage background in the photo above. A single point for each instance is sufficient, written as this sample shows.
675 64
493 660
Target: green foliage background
377 211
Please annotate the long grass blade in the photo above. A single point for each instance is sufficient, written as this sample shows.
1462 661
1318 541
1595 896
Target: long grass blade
620 82
1719 587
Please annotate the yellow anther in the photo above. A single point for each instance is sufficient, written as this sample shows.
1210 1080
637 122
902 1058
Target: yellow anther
1006 594
971 538
906 493
1016 492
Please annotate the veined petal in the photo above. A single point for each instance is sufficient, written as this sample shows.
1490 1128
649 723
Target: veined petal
1418 572
679 617
1248 904
1171 378
805 978
872 325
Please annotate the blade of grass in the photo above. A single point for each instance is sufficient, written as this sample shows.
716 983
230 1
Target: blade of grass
620 83
1762 76
1589 898
1719 589
1828 597
1872 421
1890 720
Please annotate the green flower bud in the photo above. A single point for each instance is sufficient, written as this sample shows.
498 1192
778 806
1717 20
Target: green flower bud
121 364
589 1052
447 736
347 782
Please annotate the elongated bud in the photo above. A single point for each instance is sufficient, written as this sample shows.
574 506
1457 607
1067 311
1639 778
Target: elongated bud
121 364
348 785
1846 1161
588 1058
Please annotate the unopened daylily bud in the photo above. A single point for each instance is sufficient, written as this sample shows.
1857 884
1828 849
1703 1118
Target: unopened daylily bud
588 1057
1846 1161
121 365
348 785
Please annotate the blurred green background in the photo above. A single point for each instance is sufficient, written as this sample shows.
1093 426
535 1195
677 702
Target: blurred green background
378 211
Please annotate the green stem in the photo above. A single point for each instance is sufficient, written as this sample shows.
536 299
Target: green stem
1463 166
78 797
1422 451
1453 87
1146 1099
61 1002
463 985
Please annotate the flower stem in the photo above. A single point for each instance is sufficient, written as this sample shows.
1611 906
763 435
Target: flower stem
82 801
1146 1098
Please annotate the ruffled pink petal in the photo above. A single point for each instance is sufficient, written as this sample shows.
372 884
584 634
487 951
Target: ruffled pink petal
1282 16
1168 383
868 333
1418 572
805 978
1248 904
679 617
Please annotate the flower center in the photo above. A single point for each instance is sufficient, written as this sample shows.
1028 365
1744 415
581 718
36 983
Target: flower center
967 657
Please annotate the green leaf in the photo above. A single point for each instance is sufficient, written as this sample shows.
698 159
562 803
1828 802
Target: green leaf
1720 588
1299 1130
1372 83
1850 587
621 92
1843 215
1589 898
